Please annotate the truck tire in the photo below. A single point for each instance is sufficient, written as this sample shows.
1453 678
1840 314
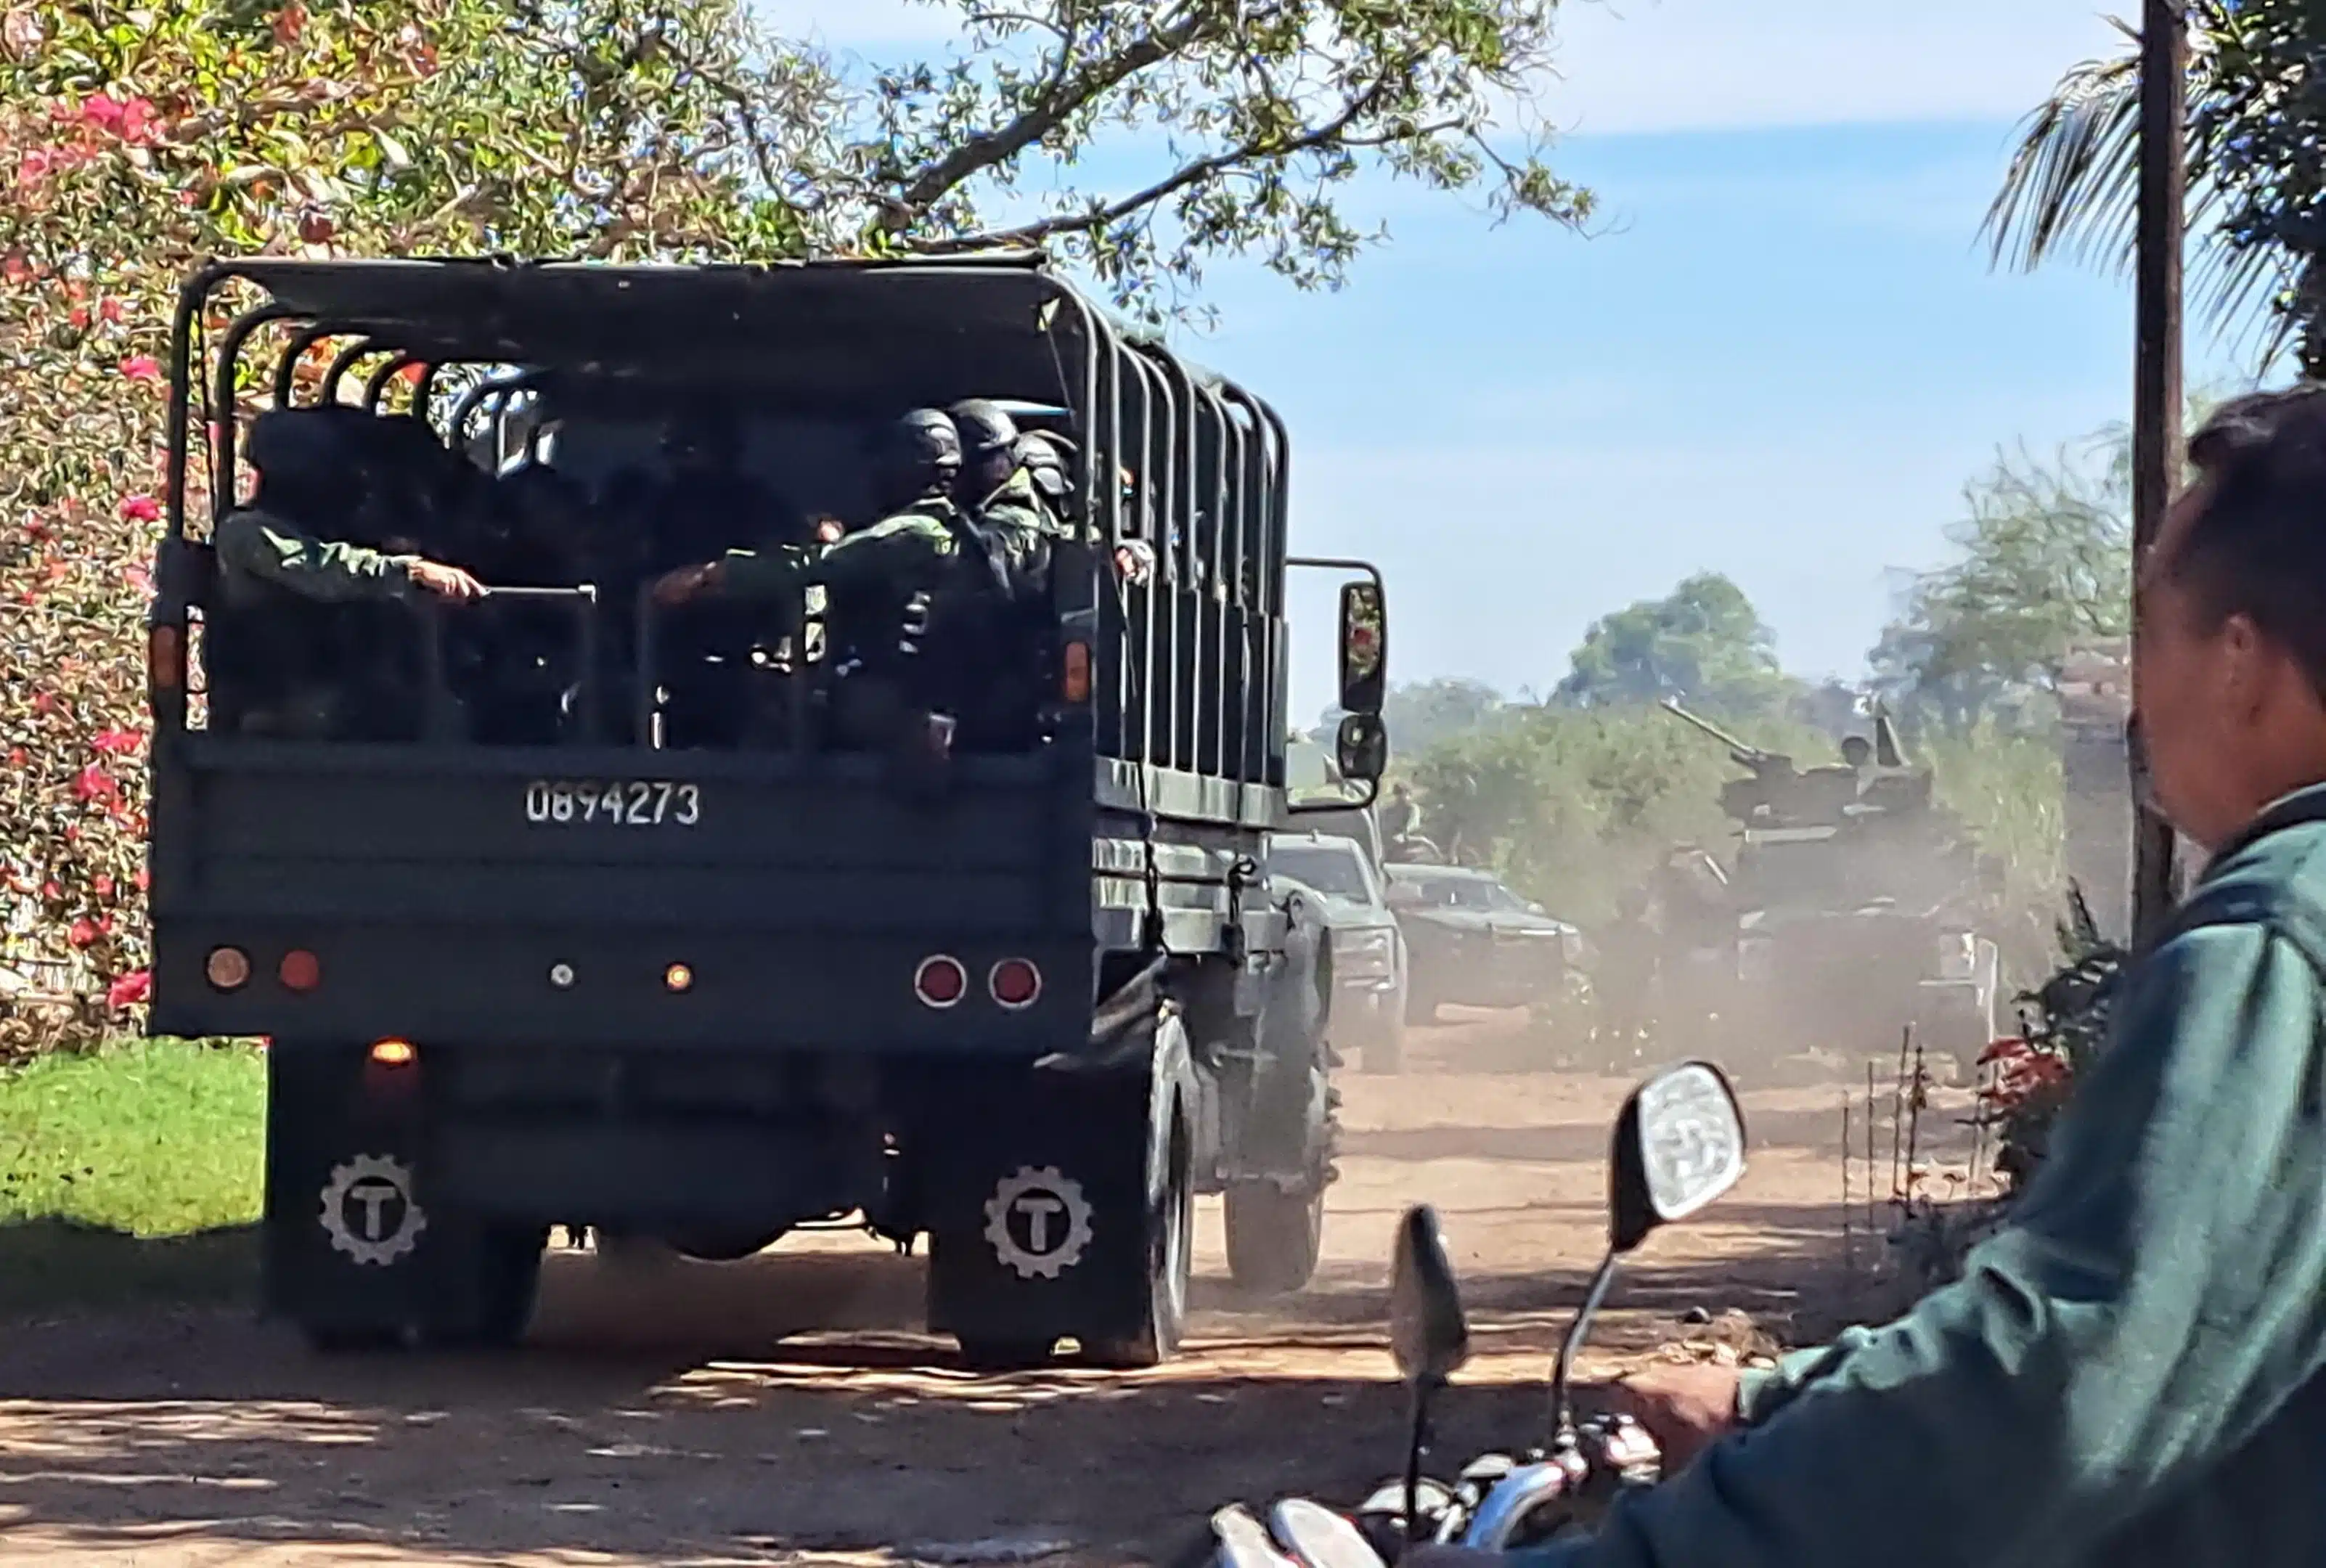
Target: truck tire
1170 1264
1274 1237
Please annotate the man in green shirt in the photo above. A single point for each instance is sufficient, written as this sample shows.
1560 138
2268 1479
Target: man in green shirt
2129 1372
300 471
306 639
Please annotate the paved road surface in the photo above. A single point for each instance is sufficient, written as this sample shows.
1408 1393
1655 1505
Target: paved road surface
783 1410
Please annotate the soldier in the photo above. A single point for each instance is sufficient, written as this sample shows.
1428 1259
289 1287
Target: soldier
280 661
1856 751
1399 816
923 567
997 488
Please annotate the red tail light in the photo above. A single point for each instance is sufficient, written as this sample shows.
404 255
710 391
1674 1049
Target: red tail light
940 981
1016 983
299 971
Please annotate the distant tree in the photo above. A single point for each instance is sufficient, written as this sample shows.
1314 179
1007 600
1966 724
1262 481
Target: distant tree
1421 715
2044 556
1703 643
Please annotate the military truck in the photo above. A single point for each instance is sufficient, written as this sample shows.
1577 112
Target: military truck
1854 904
657 982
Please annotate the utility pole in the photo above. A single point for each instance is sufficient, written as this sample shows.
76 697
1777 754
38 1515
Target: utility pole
2157 396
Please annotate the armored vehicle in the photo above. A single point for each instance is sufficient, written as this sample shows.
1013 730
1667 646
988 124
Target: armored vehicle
1855 903
580 907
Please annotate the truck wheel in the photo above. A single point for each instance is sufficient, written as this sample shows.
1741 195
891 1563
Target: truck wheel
1170 1263
1274 1237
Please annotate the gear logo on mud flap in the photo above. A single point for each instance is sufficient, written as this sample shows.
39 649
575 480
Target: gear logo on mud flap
369 1211
1038 1222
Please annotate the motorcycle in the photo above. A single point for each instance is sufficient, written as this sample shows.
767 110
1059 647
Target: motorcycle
1679 1145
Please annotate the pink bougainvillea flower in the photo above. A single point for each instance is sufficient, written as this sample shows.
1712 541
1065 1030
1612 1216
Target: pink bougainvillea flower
49 889
78 318
44 702
112 310
94 784
145 879
18 756
141 509
138 124
128 990
118 742
84 933
16 269
142 368
101 885
35 164
102 111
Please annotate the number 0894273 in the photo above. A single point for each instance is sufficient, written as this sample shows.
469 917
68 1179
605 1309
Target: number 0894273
632 803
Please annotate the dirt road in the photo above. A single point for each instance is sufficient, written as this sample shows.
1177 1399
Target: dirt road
782 1410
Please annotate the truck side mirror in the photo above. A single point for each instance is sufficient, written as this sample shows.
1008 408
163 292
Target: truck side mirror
1364 652
1362 747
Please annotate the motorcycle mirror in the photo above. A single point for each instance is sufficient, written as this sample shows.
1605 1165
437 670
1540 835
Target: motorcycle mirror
1680 1144
1428 1333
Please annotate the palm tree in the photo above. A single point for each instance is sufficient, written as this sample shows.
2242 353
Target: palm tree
2072 188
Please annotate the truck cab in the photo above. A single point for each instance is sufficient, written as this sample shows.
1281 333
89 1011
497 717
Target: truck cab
573 907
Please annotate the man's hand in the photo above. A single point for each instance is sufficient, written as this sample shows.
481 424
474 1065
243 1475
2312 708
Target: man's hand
445 581
688 582
1683 1407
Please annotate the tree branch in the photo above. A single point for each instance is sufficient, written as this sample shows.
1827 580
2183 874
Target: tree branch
1068 91
1026 233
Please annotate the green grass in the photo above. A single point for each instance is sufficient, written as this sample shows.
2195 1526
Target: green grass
135 1172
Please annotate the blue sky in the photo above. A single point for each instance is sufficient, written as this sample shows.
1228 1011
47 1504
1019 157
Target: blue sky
1781 359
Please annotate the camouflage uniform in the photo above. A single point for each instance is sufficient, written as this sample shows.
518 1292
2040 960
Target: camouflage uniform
912 550
258 551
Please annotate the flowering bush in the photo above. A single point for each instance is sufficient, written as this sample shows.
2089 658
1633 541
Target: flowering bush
2025 1081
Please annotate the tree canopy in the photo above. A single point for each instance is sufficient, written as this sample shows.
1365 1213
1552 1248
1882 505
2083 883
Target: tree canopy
2257 186
1703 643
2044 556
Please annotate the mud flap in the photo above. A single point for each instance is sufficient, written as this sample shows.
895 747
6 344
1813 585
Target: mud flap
355 1247
1044 1192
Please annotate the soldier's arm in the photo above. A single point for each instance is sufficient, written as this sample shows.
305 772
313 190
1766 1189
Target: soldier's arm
874 553
2151 1305
266 547
759 573
1025 538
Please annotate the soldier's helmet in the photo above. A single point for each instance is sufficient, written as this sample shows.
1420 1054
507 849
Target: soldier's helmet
921 450
985 428
1045 460
926 437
